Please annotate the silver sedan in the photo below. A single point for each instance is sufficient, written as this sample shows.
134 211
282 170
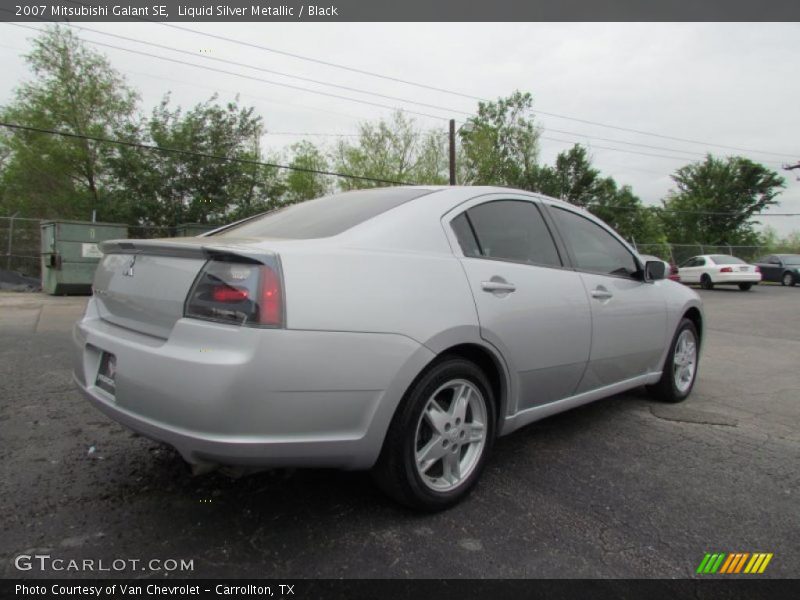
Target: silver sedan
399 329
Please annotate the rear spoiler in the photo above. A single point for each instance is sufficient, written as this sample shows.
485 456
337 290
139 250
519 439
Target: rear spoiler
202 248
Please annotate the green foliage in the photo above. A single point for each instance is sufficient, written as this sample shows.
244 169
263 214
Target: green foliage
392 150
77 91
574 180
735 187
501 144
305 185
168 188
772 243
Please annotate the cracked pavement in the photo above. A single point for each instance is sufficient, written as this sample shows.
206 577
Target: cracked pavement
624 487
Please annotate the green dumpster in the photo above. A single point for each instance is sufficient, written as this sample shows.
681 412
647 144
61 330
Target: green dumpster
70 253
192 229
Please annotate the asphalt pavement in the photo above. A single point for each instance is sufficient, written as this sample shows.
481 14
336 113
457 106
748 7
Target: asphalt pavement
625 487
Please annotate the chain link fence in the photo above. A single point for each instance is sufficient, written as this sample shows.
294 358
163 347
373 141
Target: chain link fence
20 245
677 254
20 242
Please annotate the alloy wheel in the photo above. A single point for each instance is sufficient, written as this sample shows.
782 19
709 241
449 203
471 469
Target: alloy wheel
451 435
684 361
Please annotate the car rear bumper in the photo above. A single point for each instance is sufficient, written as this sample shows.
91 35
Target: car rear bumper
252 397
734 278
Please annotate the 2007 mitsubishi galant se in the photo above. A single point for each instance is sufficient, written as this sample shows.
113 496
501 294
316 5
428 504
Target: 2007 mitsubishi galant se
399 329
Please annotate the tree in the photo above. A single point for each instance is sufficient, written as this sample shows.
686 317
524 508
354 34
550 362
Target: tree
575 180
729 191
572 179
501 144
75 90
305 185
392 150
167 188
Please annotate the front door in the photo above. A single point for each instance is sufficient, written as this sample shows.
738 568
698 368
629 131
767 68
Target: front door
629 316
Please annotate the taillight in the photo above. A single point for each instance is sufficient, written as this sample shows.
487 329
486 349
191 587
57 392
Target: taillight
237 293
673 269
758 269
271 309
226 293
726 270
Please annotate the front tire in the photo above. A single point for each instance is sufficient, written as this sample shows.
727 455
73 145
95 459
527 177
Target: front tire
788 279
439 438
745 286
706 283
680 368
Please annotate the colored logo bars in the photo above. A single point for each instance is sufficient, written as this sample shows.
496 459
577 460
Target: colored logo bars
734 562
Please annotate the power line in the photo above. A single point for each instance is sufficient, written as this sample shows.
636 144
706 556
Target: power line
308 133
443 90
250 77
456 93
271 71
680 158
198 154
357 90
437 107
317 171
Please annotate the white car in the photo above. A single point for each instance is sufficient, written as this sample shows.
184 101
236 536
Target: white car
719 269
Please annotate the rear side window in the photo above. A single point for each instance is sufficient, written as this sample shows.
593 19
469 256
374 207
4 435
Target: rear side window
722 259
325 216
465 235
595 249
507 230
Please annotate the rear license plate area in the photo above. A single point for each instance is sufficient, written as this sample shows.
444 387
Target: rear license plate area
106 378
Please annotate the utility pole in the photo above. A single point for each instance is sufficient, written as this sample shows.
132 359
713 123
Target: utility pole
790 167
452 151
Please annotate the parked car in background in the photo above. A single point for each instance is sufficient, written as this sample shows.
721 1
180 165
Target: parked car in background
719 269
670 269
397 329
784 268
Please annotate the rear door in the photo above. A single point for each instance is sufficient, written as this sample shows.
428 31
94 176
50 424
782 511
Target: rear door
771 269
629 316
531 307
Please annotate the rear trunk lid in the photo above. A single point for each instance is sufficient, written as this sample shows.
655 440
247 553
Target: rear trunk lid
142 285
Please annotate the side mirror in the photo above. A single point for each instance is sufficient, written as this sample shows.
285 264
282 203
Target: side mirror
654 270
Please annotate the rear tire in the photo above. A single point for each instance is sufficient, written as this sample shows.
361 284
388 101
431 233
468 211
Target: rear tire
745 286
788 279
440 437
706 283
680 368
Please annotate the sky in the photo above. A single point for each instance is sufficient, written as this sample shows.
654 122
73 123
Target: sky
720 84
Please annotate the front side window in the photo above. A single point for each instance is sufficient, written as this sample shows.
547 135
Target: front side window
594 248
511 230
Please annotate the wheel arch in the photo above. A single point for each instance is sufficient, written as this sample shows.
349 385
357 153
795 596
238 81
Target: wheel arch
490 364
696 317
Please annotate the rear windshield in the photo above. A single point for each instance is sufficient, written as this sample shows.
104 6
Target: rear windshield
325 216
722 259
792 260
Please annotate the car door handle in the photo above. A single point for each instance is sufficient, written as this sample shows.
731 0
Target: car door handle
601 293
498 286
